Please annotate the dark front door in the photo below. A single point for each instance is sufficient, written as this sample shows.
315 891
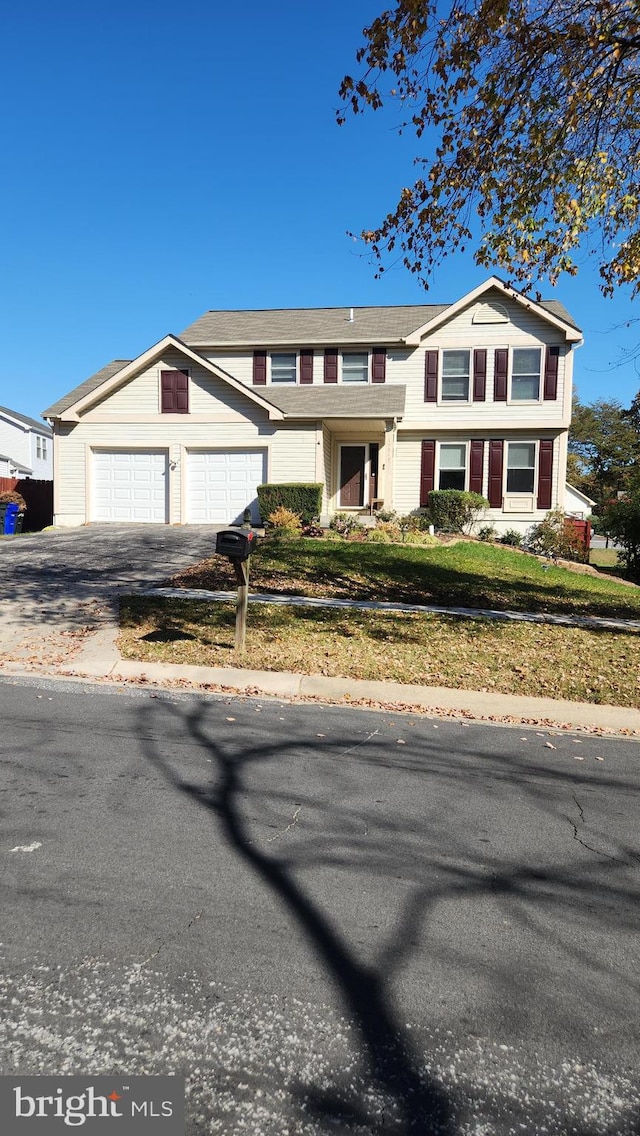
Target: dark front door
352 476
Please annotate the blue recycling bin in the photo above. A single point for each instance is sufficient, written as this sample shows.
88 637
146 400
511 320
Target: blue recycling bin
10 518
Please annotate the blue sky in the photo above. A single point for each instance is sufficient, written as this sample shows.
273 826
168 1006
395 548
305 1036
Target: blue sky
162 159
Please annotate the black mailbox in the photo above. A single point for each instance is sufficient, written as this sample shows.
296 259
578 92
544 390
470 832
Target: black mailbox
237 544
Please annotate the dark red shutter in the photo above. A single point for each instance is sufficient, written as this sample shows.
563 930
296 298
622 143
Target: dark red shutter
551 374
476 466
495 474
306 366
479 376
259 368
174 392
427 471
501 365
431 376
379 365
545 474
331 365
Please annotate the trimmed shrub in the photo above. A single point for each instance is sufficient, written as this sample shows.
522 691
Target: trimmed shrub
303 498
283 522
511 537
453 510
487 532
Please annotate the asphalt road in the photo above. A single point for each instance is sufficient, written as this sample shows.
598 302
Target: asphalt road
329 920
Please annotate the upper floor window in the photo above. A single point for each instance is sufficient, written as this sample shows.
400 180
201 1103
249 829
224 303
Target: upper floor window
174 392
355 367
455 376
453 466
525 374
283 368
41 447
521 467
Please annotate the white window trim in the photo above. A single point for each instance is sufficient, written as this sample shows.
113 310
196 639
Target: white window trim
356 382
454 401
452 442
296 355
511 401
535 442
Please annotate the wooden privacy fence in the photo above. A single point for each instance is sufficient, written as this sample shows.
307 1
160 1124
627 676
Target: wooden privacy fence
38 496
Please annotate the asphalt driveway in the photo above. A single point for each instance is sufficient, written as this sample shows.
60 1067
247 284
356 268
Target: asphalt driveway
69 577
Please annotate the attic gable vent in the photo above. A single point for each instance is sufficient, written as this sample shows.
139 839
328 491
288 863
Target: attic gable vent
490 313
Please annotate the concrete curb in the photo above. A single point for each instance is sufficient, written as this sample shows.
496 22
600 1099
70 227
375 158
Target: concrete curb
435 700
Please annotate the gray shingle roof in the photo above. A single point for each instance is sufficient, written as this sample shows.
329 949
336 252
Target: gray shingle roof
86 387
338 401
304 327
41 427
308 326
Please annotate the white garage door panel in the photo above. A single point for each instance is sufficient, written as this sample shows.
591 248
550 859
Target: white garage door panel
222 483
130 486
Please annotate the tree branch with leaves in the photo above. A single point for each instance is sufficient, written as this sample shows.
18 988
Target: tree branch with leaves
530 112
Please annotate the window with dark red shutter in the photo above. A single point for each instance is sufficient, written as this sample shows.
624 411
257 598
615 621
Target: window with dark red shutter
545 473
427 471
551 373
174 392
379 365
479 376
501 364
259 368
494 494
331 365
476 466
306 367
430 376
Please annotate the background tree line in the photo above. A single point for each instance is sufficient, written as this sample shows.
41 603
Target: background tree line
604 449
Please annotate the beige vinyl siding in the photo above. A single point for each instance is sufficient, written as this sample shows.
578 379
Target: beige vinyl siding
290 454
408 461
140 396
522 329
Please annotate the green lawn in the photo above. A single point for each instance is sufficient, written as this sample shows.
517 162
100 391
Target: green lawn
465 574
436 650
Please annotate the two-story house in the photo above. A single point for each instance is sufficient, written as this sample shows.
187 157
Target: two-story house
378 404
26 446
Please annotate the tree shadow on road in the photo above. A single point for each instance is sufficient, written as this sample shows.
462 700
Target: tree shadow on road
444 869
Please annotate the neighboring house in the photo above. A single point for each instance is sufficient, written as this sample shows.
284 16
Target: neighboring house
380 405
577 504
26 446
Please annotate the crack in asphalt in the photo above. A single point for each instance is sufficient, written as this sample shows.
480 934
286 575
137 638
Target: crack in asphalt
171 938
589 847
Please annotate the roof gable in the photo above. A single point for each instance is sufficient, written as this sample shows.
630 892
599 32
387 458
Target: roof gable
23 420
550 311
100 385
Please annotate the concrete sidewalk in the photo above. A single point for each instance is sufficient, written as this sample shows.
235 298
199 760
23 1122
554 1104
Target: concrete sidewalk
99 659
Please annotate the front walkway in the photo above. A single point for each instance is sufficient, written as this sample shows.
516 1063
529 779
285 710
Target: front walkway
599 622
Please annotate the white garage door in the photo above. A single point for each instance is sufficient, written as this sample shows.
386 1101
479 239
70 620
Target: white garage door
222 483
130 486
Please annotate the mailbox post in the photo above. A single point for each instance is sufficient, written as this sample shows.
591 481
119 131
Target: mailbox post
237 545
